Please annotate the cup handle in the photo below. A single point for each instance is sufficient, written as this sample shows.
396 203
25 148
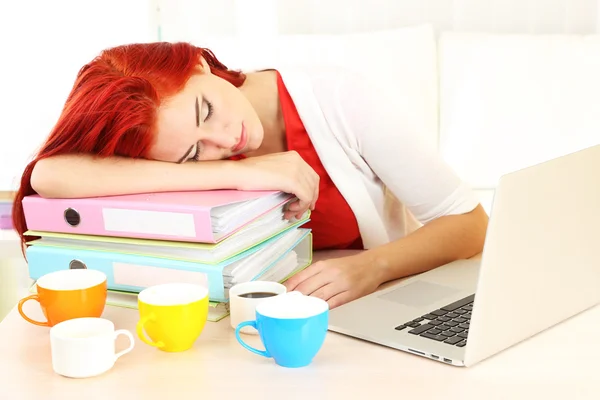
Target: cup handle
20 308
263 353
140 331
131 342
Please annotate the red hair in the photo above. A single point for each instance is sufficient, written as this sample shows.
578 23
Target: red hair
112 107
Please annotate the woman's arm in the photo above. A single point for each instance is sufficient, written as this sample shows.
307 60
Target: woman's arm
446 239
80 175
343 279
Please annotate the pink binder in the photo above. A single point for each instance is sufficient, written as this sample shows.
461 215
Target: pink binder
203 216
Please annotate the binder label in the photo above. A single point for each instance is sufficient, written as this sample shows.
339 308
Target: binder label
145 275
149 222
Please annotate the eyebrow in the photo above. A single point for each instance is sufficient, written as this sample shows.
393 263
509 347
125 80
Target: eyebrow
197 112
187 153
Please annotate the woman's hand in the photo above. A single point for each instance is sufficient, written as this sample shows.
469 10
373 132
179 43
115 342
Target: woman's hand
287 172
337 280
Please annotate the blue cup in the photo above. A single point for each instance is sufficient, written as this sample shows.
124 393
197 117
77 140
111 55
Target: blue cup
292 328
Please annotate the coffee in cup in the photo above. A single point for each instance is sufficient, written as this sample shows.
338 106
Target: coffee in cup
244 297
258 295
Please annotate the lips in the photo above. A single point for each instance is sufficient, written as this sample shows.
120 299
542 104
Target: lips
243 140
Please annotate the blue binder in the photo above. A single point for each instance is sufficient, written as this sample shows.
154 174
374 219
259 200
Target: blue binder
133 273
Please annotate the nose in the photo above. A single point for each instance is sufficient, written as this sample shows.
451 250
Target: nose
221 138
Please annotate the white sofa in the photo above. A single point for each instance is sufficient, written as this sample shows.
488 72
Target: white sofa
509 101
490 103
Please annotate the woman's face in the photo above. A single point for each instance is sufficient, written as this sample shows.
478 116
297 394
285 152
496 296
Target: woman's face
210 119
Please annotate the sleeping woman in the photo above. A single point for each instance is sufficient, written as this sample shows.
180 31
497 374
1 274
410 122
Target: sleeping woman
158 117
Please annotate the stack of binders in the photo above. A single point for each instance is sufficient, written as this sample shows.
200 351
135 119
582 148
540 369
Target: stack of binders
214 238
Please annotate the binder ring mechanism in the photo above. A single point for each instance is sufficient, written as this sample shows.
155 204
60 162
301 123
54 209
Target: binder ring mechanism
77 264
72 216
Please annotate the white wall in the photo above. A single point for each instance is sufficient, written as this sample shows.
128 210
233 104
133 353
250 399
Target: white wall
46 42
193 19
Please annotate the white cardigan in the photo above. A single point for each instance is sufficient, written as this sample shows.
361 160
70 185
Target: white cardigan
391 179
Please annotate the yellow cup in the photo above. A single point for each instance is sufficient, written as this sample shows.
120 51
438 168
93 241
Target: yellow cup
173 315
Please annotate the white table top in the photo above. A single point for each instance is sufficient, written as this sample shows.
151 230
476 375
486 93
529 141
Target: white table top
560 363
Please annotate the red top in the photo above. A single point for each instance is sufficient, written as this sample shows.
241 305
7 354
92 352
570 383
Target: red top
332 221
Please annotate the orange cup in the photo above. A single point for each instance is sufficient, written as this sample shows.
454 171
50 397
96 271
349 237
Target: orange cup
68 294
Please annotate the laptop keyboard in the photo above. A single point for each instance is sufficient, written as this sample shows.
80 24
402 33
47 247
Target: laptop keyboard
449 324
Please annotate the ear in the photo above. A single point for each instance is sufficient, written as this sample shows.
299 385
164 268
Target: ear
204 66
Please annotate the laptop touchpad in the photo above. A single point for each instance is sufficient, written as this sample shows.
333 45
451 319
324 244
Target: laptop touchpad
419 294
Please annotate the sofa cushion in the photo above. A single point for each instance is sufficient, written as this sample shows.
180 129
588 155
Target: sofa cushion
510 101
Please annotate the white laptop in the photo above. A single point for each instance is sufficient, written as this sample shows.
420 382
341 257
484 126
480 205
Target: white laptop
540 266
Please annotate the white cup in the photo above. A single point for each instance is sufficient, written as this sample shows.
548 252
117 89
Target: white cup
85 347
244 308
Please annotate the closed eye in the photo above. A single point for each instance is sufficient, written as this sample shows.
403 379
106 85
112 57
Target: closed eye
197 151
209 109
